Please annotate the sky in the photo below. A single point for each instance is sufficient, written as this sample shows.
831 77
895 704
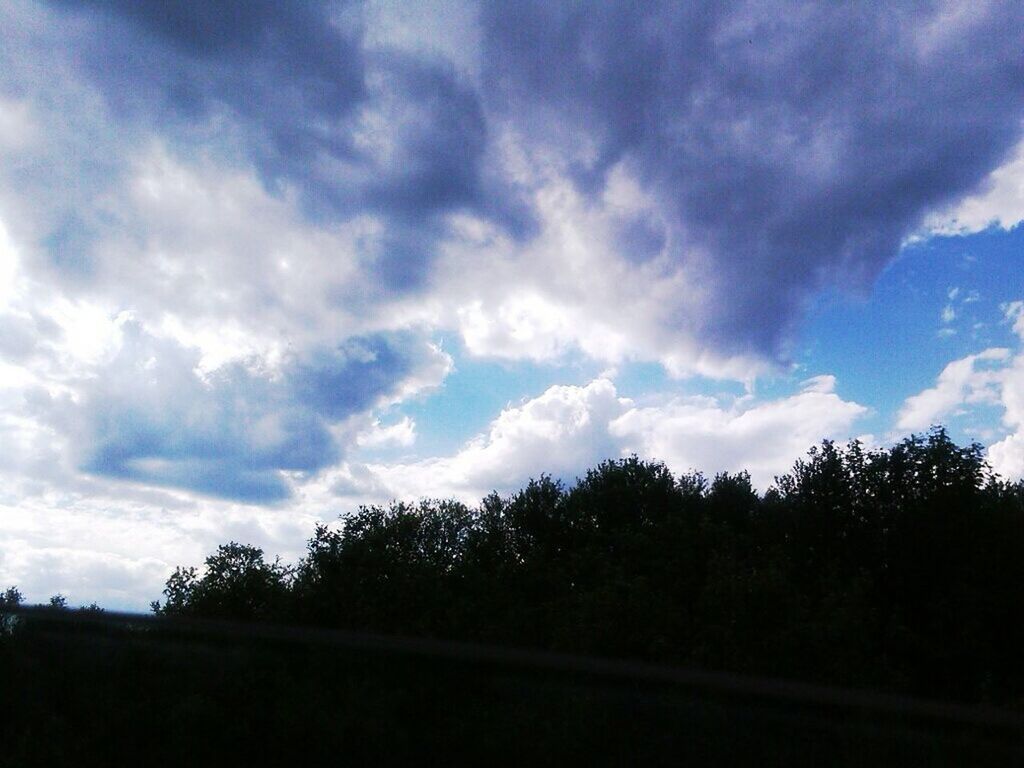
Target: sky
263 262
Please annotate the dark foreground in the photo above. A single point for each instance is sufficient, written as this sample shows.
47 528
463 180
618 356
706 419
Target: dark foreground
81 689
899 571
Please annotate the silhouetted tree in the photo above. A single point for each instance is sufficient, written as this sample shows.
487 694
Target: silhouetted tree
11 598
236 583
900 568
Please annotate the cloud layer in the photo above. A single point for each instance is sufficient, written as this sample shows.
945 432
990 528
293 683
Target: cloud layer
232 235
729 158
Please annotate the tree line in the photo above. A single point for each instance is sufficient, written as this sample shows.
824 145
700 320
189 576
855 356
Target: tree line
898 569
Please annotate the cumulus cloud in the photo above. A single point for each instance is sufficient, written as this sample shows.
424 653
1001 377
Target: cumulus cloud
569 289
968 380
560 432
1007 456
401 434
993 377
568 429
763 438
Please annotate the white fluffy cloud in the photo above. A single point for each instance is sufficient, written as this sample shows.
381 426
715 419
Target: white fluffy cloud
972 379
604 299
763 437
401 434
993 377
567 429
1007 455
561 432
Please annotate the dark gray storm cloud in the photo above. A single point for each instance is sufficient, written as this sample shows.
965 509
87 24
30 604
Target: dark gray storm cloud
273 63
146 416
793 144
788 146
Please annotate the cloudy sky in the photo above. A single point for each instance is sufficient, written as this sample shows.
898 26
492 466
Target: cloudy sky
263 261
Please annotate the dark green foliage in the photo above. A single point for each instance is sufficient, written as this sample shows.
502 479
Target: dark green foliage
11 598
237 584
59 601
388 570
900 569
